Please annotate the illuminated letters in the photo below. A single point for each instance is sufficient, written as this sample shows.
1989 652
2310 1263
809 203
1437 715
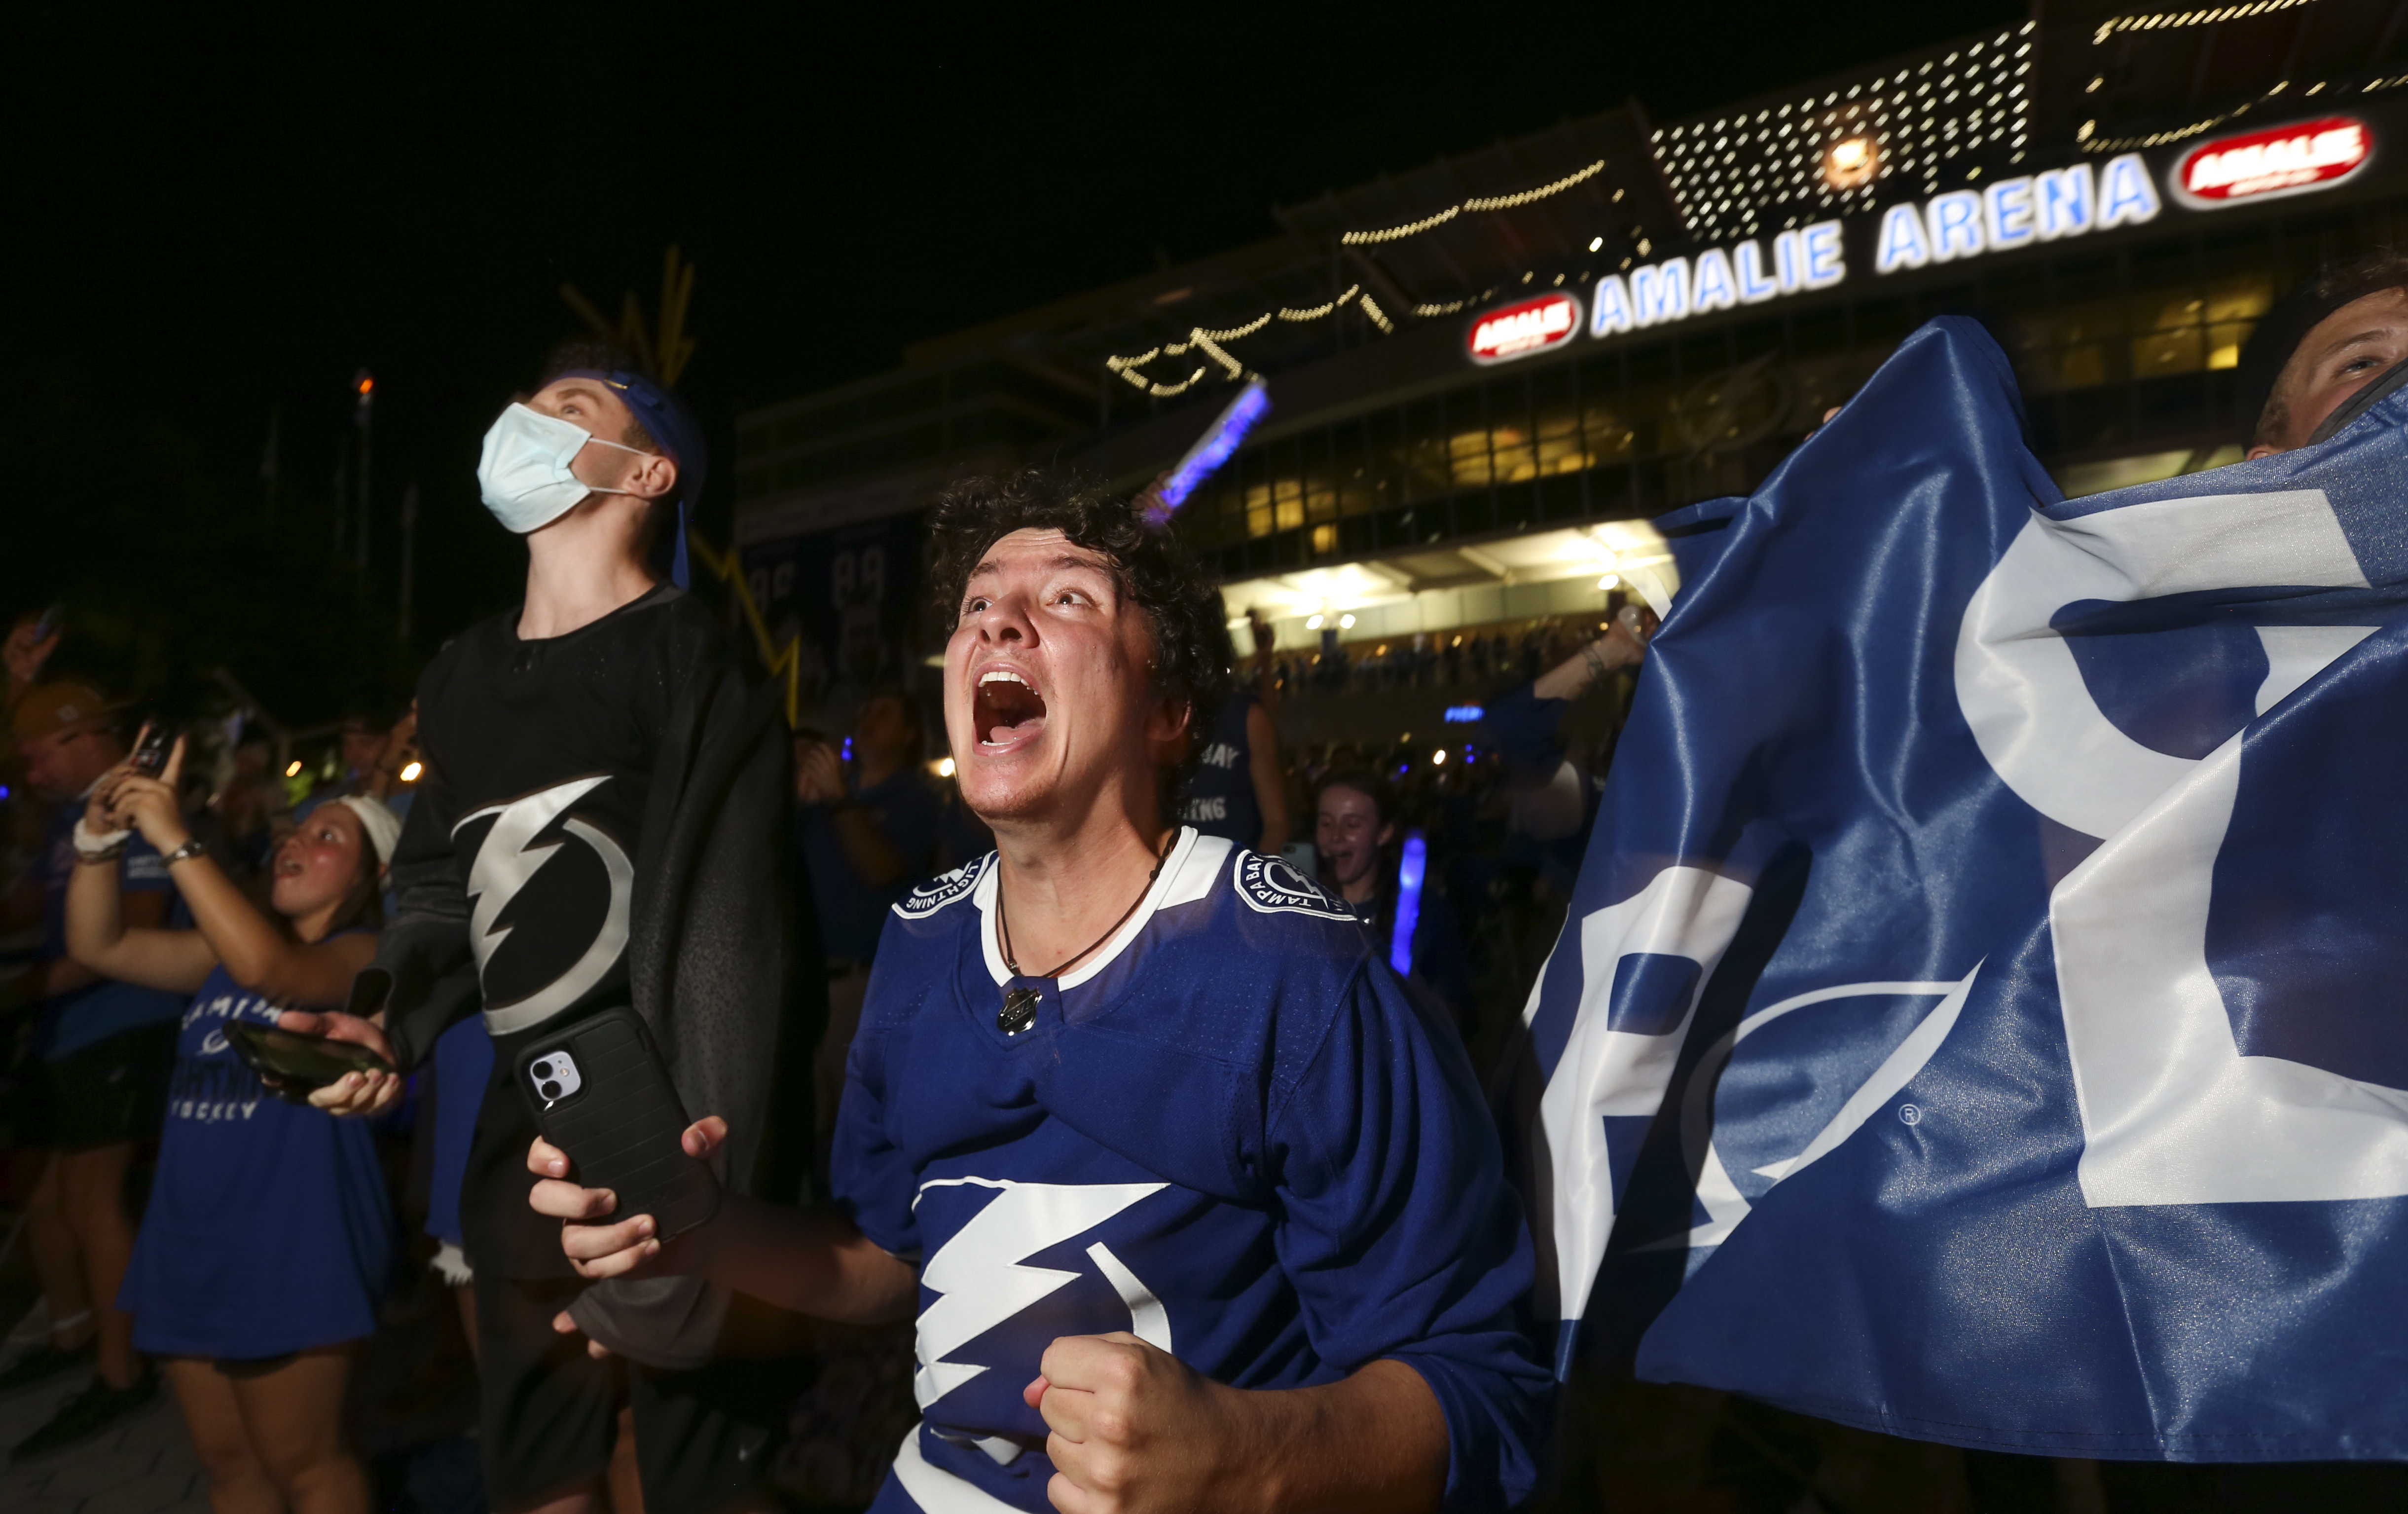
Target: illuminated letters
1902 244
2065 202
1956 222
1825 261
1714 288
1755 285
2007 213
1789 262
1661 291
2125 194
1612 310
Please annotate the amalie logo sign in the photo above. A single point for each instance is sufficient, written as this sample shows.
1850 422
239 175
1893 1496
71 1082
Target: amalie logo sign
2278 160
1524 327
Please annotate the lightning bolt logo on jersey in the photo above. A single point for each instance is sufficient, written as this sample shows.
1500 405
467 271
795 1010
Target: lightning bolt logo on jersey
1182 1147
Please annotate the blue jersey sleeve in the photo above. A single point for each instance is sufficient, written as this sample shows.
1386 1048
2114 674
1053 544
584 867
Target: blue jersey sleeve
1402 1236
871 1174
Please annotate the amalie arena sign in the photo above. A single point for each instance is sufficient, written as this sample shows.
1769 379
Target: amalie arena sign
2278 160
1997 217
1525 326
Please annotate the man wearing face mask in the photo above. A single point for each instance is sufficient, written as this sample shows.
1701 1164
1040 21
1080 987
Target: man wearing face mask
602 823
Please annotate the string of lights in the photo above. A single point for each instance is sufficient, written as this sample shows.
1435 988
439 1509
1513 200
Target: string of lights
1744 174
2087 133
1207 342
2167 19
1493 202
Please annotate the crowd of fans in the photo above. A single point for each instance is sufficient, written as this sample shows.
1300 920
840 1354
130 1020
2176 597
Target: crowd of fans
183 1220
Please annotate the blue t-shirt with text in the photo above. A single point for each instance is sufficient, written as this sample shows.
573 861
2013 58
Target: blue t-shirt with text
269 1227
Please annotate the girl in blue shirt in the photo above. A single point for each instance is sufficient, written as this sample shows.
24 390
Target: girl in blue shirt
263 1249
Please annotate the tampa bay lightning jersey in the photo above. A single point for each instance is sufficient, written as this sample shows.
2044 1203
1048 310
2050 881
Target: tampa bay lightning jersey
1228 1132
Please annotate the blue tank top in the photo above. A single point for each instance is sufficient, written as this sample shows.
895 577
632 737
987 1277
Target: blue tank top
1221 797
269 1228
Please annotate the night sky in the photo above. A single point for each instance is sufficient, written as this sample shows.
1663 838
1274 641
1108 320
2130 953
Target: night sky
215 218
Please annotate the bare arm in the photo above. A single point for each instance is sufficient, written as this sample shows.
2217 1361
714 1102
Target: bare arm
810 1261
110 936
1624 645
1134 1428
1270 784
819 779
255 953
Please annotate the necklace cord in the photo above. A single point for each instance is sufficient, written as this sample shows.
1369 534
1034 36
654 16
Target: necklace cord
1003 921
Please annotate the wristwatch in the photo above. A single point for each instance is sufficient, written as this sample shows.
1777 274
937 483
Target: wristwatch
191 848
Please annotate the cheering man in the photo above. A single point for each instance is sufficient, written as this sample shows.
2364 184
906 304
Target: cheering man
604 822
1196 1210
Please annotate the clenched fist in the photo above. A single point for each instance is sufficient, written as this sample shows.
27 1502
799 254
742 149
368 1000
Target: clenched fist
1135 1429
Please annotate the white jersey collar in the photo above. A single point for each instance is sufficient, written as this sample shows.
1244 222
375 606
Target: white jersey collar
1188 874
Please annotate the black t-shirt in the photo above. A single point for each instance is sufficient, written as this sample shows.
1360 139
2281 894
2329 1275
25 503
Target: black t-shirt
539 761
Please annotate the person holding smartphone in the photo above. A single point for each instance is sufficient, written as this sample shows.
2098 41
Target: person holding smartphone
263 1251
603 824
1195 1209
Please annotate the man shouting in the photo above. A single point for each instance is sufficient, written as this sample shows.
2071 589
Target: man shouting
1196 1211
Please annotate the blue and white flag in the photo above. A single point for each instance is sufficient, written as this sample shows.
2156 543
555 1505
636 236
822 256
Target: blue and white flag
1984 1012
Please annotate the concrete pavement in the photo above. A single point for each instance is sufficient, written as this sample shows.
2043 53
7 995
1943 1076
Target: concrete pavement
143 1465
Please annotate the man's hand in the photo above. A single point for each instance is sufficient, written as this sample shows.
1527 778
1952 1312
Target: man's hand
594 1248
354 1094
1134 1428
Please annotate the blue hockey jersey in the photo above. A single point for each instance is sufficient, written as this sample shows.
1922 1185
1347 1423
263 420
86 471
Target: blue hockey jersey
1228 1132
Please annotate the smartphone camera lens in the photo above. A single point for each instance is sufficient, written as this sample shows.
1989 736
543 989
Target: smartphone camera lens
542 1068
552 1091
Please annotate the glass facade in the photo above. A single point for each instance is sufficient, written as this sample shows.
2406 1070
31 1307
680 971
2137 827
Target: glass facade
2124 345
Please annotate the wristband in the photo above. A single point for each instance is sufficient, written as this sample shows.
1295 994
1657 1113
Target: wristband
94 846
191 848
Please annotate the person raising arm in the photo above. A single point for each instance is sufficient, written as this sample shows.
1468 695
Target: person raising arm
263 1250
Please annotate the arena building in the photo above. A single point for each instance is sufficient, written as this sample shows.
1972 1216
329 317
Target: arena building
1482 372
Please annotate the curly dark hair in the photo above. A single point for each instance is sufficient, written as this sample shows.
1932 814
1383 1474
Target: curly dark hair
1153 568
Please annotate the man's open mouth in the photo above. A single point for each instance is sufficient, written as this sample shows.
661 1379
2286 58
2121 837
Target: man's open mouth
1007 708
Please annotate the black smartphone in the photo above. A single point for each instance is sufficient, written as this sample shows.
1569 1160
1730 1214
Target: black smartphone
150 757
600 1093
300 1062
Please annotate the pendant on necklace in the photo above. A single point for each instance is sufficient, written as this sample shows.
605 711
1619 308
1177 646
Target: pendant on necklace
1019 1011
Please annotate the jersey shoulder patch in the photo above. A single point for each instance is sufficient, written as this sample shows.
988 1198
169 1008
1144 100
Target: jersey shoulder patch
1272 886
927 898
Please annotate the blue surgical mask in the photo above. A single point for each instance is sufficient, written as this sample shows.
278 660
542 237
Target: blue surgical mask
523 471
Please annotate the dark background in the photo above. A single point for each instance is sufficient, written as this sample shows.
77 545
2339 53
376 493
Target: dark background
217 215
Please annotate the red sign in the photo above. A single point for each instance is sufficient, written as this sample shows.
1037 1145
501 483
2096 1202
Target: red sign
2279 160
1524 327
